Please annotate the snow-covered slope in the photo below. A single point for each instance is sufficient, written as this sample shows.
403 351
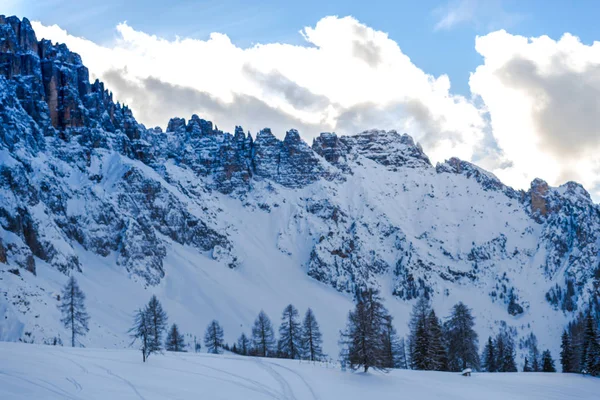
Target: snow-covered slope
31 371
221 225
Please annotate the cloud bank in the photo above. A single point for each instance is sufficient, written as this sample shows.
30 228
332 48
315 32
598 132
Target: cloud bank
534 110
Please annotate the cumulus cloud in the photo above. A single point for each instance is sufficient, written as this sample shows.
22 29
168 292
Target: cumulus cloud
543 98
347 77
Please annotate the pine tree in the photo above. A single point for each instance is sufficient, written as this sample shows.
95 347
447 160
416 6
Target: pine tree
362 338
213 338
243 345
489 357
158 323
263 338
175 340
419 334
590 358
437 355
507 362
391 345
72 307
402 355
311 338
547 362
289 345
462 339
526 367
142 331
566 353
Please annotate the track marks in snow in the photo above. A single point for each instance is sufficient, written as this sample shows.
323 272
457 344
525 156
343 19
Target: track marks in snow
47 386
127 382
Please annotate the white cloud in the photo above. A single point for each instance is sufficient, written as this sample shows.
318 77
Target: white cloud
535 111
346 78
543 98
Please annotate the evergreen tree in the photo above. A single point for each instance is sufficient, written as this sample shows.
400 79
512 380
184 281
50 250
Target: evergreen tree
462 339
74 315
437 355
526 367
391 345
311 338
158 323
489 357
243 345
547 362
507 362
590 358
289 345
142 331
566 353
362 338
419 334
263 337
175 340
402 355
213 338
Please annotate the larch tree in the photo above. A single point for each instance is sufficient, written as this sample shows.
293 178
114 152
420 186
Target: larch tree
289 345
175 340
437 354
142 331
213 338
362 339
461 339
419 334
263 337
243 345
72 307
311 339
158 323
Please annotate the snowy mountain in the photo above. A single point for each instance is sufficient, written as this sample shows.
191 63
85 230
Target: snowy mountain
221 225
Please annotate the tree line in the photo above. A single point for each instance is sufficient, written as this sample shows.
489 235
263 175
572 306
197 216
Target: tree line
368 341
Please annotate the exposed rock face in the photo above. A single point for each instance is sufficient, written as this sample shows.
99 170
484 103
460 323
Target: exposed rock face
77 171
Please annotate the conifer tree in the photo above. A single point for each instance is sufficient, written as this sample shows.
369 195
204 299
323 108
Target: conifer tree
142 331
289 345
391 345
566 353
311 339
547 362
507 361
243 345
419 334
489 357
158 323
403 357
72 307
362 338
263 338
437 355
213 338
175 340
462 339
590 358
526 367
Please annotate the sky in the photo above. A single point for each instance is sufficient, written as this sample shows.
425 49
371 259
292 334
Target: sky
512 86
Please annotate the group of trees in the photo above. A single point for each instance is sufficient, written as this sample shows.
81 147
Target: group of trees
580 344
369 340
297 340
438 346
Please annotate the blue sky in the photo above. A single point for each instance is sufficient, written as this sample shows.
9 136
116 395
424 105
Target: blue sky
412 24
513 86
